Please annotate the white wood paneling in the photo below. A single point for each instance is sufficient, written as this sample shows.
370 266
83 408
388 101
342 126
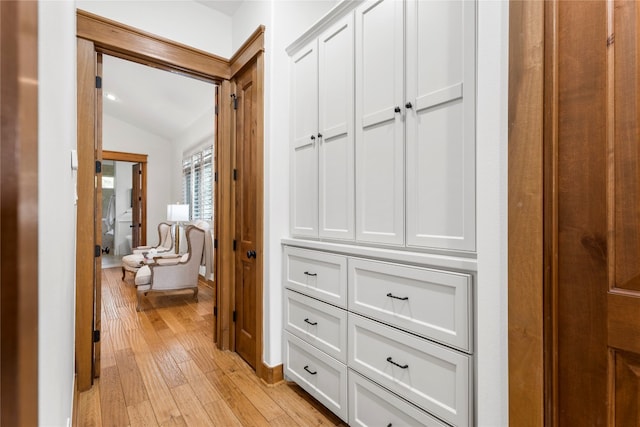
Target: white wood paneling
379 90
440 125
304 147
336 130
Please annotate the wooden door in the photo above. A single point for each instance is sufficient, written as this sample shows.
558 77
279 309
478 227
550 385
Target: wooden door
304 147
440 124
336 186
594 177
136 205
247 216
379 122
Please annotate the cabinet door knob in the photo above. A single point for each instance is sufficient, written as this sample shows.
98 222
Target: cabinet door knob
319 135
397 109
408 105
313 137
251 254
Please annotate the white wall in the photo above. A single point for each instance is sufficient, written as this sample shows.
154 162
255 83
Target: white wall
285 20
183 21
56 210
491 290
118 135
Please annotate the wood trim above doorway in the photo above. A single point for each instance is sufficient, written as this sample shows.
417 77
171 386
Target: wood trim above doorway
128 42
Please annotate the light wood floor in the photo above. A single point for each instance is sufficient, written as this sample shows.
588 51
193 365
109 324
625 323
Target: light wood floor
161 368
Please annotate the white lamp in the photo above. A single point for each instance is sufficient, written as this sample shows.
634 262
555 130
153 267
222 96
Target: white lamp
177 213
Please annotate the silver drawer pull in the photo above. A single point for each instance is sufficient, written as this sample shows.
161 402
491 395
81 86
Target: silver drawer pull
310 274
306 368
390 360
310 322
390 295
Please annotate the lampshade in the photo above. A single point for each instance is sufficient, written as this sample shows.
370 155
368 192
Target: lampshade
177 212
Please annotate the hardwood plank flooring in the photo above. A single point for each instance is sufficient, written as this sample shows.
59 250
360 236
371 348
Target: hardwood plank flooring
160 367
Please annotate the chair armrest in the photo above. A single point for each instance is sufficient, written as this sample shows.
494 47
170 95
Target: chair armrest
166 260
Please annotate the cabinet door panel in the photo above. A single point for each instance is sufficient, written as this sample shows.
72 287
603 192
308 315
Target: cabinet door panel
441 124
336 167
379 128
304 147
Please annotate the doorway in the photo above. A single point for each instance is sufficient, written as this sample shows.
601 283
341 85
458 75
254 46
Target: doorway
97 35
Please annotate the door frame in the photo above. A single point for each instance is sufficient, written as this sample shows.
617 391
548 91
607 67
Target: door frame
531 212
116 39
120 156
19 213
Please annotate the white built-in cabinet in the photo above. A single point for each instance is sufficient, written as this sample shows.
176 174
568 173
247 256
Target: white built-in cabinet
322 166
415 126
396 80
380 268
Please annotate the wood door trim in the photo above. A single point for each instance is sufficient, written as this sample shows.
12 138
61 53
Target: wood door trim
125 42
85 215
118 39
19 213
249 49
134 158
525 205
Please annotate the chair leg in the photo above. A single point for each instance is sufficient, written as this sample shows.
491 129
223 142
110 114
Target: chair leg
195 294
139 306
123 273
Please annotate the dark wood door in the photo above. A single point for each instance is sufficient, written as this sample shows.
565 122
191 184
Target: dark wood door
136 205
594 178
247 251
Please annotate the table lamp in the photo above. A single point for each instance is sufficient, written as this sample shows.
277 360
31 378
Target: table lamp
177 213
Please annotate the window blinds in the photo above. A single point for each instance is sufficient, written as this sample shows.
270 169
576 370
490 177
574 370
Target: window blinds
197 184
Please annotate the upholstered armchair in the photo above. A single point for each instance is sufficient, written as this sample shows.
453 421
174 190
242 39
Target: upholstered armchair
135 260
173 273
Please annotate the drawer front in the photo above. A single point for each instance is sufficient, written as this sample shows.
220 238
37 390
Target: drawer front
317 274
317 323
320 375
371 405
431 376
432 303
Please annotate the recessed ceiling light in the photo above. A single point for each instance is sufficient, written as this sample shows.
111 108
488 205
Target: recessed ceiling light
111 97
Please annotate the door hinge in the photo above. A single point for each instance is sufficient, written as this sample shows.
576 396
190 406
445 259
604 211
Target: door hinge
215 243
98 166
215 311
96 336
215 177
98 82
235 174
97 251
234 316
234 244
139 171
235 101
216 110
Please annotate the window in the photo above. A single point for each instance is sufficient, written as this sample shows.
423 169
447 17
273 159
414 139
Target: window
197 184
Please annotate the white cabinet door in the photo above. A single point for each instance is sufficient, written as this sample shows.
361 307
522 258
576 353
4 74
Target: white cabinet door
379 51
304 147
440 124
336 167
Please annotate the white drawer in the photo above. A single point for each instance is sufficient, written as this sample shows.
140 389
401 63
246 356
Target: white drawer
317 274
432 303
320 375
317 323
431 376
371 405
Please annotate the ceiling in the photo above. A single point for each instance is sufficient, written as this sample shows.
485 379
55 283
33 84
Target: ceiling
228 7
157 101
